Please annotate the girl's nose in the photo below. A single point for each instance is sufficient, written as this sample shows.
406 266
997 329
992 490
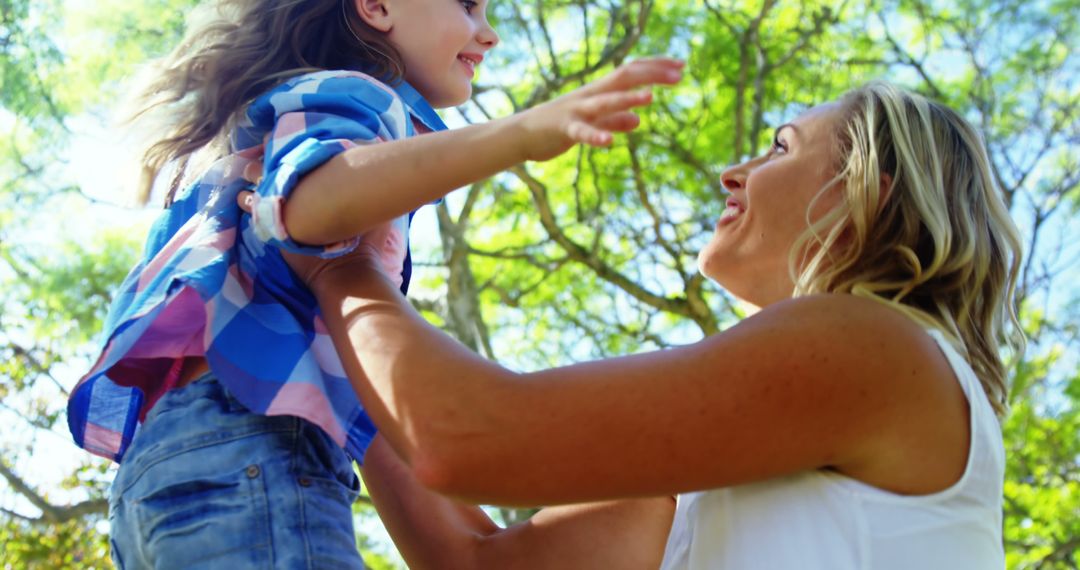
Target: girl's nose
487 36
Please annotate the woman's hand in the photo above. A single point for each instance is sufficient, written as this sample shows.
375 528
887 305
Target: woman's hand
312 269
590 114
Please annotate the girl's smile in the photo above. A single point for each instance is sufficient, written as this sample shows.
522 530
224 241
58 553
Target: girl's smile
441 42
470 60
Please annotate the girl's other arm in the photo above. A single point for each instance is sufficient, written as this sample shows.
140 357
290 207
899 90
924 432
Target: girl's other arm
433 531
402 175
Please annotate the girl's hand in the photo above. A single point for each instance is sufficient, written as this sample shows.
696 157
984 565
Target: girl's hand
592 113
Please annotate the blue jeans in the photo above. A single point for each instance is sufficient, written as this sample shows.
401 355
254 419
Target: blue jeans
208 484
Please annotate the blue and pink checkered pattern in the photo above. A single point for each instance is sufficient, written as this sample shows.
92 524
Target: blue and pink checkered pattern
212 281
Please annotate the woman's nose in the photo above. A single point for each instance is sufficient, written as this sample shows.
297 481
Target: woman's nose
734 177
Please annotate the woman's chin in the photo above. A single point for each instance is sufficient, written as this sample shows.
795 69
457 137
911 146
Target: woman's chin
715 267
750 296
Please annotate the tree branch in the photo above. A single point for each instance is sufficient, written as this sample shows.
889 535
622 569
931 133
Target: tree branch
677 305
50 513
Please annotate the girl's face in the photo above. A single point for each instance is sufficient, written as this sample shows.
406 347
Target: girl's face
441 42
768 207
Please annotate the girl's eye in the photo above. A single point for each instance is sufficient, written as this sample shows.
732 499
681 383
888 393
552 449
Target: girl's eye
469 5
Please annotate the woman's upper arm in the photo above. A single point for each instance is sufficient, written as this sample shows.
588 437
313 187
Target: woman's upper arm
810 383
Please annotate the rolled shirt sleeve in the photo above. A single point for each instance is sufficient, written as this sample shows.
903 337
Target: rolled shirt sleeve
314 118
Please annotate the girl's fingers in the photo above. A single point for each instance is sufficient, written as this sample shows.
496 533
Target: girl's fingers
599 133
607 103
587 134
618 122
603 106
655 70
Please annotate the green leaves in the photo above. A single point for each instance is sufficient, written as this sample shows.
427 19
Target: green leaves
1042 483
29 59
66 291
114 39
72 544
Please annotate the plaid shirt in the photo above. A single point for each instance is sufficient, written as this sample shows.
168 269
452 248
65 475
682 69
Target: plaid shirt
212 281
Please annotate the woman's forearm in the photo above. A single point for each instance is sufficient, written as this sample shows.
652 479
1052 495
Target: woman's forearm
414 381
433 531
429 530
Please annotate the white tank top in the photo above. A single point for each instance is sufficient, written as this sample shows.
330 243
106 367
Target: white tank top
820 520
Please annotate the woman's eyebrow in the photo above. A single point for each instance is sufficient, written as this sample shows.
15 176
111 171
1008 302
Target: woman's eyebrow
791 126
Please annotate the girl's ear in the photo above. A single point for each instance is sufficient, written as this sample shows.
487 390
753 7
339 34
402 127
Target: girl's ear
375 13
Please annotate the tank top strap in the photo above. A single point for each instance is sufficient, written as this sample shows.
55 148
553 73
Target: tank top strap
986 455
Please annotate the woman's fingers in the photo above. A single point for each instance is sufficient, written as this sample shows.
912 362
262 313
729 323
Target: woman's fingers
245 199
253 171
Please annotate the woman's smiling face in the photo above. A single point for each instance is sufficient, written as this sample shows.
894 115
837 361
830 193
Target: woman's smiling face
768 207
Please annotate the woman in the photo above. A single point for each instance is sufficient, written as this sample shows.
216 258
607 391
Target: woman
850 423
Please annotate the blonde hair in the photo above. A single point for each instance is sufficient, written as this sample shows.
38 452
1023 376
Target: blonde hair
245 48
922 226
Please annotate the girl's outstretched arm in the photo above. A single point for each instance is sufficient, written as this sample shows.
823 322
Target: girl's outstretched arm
326 206
433 531
831 381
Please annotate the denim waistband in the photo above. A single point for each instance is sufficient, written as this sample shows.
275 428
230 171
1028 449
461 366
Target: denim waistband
203 386
198 414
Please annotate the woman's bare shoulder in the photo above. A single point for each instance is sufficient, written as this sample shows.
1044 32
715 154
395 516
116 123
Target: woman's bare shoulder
841 317
902 387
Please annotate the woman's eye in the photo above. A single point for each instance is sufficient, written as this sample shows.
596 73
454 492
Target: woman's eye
469 5
778 146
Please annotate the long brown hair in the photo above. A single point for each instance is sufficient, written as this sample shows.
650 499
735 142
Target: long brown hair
245 48
938 243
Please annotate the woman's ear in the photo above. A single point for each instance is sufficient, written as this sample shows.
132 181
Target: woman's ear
884 189
375 13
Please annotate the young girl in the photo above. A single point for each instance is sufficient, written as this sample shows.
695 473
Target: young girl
851 423
213 350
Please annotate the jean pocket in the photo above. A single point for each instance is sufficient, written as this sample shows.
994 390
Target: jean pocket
323 463
208 521
328 523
